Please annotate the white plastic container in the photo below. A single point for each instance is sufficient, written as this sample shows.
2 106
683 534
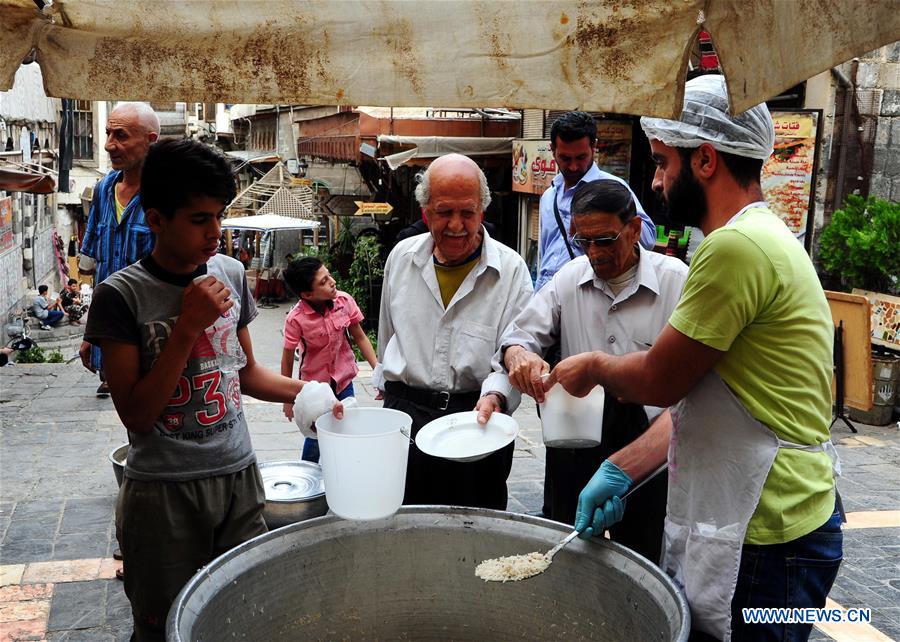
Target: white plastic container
572 422
363 458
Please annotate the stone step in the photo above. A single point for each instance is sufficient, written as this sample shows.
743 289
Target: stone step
62 334
59 333
68 346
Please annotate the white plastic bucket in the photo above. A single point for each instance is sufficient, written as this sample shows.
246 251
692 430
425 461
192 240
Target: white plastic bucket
363 459
572 422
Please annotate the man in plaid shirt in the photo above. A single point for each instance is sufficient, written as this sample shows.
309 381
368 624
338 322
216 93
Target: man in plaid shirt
117 233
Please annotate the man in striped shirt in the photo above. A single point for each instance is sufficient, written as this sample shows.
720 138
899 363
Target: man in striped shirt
117 233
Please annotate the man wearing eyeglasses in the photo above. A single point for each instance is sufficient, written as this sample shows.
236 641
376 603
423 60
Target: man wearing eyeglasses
573 139
616 299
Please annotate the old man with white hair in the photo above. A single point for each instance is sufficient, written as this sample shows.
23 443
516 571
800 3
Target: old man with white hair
447 297
117 233
745 361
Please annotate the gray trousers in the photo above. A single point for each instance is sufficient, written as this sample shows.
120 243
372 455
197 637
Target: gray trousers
167 530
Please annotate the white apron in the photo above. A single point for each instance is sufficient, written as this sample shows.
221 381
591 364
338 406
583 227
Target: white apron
719 459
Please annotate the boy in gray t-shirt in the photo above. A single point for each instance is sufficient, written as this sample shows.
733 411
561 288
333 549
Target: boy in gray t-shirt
192 490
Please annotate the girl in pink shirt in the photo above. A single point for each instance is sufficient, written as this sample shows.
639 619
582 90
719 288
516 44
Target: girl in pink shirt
317 326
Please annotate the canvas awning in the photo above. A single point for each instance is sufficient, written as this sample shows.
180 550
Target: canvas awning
604 55
12 180
339 179
268 223
434 146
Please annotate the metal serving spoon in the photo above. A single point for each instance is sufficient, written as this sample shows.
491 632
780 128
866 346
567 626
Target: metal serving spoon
532 564
568 538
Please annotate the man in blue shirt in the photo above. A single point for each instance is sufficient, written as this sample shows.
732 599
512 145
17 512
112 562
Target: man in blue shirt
573 139
117 233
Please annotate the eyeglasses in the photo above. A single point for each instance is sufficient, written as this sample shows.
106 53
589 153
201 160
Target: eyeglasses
585 242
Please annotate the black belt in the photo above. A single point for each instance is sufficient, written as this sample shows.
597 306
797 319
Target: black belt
437 399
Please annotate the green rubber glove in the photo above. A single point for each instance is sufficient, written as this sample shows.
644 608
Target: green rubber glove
599 506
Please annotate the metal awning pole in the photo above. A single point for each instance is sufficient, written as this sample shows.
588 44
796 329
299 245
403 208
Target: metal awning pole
849 95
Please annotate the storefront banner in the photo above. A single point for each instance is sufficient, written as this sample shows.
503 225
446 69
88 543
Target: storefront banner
6 230
614 147
533 166
787 176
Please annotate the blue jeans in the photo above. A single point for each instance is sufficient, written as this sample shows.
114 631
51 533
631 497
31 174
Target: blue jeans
796 574
53 317
311 446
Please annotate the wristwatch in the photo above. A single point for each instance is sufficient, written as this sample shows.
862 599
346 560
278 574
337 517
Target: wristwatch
499 396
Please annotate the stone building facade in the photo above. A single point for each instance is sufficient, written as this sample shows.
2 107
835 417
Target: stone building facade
880 72
29 126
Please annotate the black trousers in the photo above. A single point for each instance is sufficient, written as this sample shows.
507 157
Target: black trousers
432 480
568 470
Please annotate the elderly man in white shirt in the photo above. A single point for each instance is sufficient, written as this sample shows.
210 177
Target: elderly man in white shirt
617 298
446 300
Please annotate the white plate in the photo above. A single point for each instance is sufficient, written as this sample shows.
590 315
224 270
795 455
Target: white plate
459 437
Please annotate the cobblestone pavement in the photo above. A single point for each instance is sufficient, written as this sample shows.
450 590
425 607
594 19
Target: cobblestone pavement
57 493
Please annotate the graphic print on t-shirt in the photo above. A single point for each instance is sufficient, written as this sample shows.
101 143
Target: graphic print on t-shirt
206 402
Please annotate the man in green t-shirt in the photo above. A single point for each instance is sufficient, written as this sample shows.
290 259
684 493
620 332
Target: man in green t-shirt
746 360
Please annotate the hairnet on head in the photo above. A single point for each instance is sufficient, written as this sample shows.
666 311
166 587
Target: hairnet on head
705 119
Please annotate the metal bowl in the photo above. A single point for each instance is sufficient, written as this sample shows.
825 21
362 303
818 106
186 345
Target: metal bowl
412 576
295 491
117 457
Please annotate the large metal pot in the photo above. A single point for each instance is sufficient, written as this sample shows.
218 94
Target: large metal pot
295 491
412 576
117 457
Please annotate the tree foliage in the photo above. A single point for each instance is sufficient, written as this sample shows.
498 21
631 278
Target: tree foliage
366 271
861 245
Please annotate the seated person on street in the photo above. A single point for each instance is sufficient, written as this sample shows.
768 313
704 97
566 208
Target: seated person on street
49 313
192 489
317 326
616 298
446 299
70 300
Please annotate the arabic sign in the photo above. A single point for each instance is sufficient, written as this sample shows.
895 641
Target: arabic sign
366 209
614 147
533 166
787 177
6 231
